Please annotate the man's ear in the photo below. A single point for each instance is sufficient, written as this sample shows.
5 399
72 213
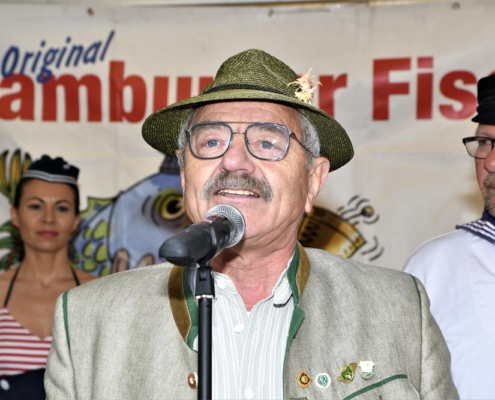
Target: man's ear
177 152
317 176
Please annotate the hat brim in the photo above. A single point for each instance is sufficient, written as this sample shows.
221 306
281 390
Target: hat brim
161 129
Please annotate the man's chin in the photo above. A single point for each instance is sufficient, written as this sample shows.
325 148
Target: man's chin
490 206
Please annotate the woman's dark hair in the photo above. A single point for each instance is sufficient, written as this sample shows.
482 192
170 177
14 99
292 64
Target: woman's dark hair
22 182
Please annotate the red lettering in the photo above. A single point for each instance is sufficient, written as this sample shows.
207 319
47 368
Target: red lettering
117 85
383 88
71 87
466 98
25 97
204 81
326 92
160 99
184 84
424 99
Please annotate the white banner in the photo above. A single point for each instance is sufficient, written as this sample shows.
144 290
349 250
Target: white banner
78 82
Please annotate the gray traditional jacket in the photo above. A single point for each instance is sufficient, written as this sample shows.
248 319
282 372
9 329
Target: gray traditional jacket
130 335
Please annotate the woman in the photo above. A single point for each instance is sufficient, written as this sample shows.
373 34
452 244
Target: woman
46 212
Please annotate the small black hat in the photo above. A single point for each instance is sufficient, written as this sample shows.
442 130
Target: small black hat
55 170
486 101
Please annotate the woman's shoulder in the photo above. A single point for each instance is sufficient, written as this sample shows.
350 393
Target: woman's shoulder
5 279
84 277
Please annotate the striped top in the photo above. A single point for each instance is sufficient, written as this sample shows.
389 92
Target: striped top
483 227
20 350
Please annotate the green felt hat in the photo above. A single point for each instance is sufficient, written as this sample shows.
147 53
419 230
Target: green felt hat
251 75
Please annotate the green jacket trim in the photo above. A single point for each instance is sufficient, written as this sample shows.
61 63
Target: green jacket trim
297 275
420 319
375 385
66 317
184 309
192 307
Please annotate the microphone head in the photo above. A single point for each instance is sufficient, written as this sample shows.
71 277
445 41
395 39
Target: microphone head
234 216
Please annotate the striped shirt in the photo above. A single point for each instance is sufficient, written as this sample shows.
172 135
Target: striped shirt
20 350
249 348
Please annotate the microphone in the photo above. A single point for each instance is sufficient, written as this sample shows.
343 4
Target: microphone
224 227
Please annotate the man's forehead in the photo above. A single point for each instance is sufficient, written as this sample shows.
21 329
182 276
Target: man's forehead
485 130
245 110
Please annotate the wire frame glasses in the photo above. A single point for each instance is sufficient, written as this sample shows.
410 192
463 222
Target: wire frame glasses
479 146
265 141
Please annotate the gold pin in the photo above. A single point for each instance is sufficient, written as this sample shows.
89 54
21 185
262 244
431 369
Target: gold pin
303 379
192 380
347 373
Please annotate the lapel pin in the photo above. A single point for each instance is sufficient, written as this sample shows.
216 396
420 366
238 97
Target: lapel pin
366 369
192 380
303 379
323 381
347 373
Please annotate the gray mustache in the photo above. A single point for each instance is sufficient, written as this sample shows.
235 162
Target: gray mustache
227 180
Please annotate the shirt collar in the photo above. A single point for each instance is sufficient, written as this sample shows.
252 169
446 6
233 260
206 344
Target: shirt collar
281 292
487 217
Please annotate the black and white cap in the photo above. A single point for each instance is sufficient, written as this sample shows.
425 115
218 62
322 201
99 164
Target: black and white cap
54 170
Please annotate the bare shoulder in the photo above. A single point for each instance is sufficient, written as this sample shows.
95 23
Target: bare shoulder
5 278
84 277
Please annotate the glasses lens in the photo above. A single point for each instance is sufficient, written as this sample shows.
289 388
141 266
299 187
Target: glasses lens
209 140
267 141
479 148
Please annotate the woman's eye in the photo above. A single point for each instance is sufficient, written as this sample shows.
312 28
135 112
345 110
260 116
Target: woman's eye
34 206
63 209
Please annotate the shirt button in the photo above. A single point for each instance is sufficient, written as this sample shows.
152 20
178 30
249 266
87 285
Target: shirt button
239 328
4 384
248 393
221 285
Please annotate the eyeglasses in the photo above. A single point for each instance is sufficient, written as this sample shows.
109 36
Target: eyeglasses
479 146
265 141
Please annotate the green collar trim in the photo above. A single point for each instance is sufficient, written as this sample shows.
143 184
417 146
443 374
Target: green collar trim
298 272
192 307
298 275
66 317
184 309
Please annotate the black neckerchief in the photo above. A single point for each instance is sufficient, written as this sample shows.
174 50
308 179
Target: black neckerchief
483 227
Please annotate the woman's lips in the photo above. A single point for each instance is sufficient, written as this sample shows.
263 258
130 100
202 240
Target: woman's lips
48 234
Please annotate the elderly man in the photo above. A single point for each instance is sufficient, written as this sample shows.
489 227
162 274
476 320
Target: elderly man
288 322
459 273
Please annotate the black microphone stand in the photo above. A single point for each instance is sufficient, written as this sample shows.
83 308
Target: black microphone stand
205 294
196 246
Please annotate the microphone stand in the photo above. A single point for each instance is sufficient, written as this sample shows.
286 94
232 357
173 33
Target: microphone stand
205 294
196 246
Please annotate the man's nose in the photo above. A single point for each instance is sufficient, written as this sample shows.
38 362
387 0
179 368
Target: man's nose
237 157
490 161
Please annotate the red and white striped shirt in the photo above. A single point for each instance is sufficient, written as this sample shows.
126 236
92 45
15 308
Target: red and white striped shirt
20 350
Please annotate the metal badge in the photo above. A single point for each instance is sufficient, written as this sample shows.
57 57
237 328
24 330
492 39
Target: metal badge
303 379
366 369
347 373
192 380
323 381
